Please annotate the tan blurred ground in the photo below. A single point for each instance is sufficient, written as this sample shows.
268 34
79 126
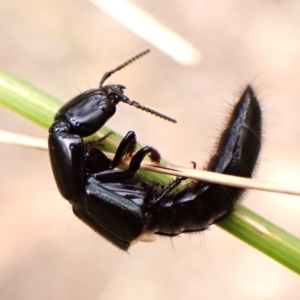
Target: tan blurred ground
63 46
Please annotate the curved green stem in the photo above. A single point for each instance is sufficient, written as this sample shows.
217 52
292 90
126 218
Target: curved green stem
40 108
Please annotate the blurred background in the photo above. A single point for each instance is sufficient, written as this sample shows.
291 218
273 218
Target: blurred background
64 47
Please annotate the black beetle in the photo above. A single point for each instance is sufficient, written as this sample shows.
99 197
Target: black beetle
125 209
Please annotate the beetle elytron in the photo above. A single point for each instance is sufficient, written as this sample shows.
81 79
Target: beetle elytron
119 206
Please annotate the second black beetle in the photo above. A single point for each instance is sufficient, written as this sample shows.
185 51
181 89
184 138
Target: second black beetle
124 209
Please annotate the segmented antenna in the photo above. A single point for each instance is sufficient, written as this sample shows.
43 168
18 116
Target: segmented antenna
147 109
123 98
109 73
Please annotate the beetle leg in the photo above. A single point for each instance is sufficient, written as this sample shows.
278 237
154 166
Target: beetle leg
96 161
127 146
140 155
119 176
166 191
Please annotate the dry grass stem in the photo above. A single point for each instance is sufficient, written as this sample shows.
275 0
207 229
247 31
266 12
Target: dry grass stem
246 183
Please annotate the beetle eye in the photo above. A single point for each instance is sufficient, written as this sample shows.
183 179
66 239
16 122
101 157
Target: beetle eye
111 97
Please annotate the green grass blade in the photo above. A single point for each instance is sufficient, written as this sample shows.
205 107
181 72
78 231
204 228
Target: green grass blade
27 101
40 108
264 236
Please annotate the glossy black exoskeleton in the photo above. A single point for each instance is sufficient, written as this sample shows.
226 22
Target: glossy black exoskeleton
119 206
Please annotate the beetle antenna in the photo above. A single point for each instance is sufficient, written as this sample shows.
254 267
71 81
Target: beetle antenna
147 109
109 73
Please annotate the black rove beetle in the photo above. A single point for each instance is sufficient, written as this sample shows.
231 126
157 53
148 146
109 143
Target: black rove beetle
119 206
